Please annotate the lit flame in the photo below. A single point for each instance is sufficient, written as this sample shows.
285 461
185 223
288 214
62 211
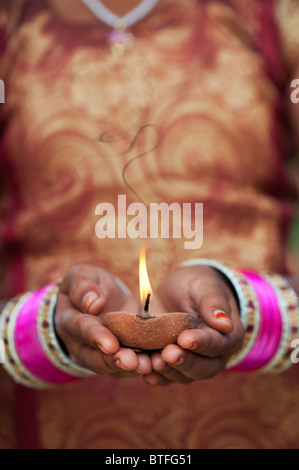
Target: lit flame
144 284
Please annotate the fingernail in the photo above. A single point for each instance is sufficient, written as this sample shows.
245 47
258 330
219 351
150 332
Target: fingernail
103 349
121 365
162 368
177 361
96 305
89 298
220 315
192 345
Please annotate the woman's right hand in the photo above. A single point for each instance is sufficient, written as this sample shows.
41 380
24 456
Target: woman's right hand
86 294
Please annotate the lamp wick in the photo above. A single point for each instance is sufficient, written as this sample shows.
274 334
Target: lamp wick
146 305
144 313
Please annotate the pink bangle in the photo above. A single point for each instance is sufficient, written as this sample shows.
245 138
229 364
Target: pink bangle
33 355
28 346
269 312
270 331
289 309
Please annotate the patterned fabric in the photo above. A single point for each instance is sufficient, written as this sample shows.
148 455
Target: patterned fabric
199 98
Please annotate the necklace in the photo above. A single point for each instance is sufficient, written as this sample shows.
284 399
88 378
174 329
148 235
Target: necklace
120 39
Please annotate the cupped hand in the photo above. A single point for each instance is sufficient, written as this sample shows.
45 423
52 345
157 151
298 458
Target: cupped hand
86 294
203 352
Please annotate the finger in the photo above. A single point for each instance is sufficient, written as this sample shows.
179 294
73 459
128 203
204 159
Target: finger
121 374
175 376
209 342
214 308
155 379
144 364
190 365
85 329
157 362
166 370
123 361
126 359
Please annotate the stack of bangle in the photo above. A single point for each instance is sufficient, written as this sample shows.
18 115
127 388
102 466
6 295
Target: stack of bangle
33 355
269 311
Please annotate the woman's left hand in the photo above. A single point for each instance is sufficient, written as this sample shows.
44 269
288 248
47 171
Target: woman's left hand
203 352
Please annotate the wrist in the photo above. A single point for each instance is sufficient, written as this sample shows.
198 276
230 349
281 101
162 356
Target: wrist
33 356
269 311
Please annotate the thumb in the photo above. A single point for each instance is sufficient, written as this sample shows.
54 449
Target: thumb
214 309
84 291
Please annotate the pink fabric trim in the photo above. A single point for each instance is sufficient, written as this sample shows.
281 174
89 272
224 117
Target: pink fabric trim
28 346
269 336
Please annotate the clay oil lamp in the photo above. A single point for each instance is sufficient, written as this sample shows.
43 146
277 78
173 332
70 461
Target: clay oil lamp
148 331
